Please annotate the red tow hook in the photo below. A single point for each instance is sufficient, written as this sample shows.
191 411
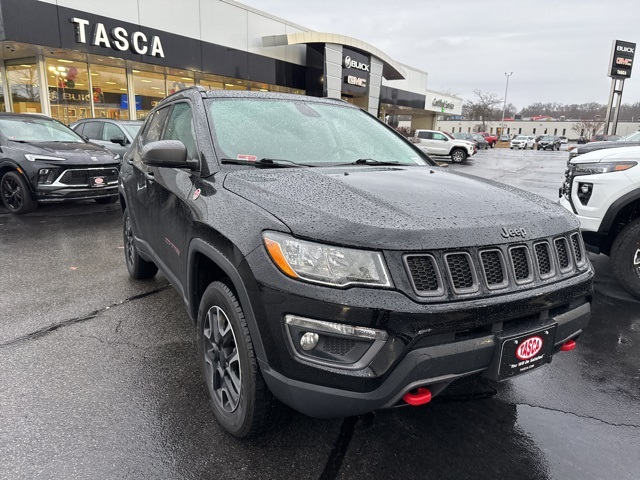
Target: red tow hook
422 396
568 346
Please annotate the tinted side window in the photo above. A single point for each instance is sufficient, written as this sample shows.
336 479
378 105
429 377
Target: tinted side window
180 127
78 129
110 130
93 130
155 126
424 135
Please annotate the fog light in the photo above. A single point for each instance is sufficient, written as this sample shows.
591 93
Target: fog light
584 192
309 341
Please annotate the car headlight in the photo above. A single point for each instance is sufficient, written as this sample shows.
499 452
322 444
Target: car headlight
595 168
325 264
33 158
116 156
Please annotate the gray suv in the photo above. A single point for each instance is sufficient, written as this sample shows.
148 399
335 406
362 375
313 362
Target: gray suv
115 135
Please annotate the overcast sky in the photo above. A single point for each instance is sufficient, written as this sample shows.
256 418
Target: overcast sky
557 50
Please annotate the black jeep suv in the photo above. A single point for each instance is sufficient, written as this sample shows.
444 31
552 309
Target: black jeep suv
42 160
330 265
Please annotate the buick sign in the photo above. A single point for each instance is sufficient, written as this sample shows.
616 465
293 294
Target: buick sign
349 63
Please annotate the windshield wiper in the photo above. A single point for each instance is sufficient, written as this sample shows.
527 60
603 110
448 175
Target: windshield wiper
368 161
264 163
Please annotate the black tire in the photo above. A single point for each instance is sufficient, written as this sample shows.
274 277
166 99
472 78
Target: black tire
16 195
106 200
625 257
493 144
137 267
458 155
238 395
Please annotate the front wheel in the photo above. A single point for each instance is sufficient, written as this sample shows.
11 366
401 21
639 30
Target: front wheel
493 144
625 257
238 395
16 196
458 155
137 267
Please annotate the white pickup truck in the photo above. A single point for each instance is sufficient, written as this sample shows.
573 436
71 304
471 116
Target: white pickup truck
434 142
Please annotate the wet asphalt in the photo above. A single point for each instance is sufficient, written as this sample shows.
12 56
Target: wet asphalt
99 378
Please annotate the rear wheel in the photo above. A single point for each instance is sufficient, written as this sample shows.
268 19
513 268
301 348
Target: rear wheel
625 257
458 155
16 196
137 267
239 397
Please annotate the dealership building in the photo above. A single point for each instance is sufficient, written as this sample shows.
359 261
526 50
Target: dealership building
74 59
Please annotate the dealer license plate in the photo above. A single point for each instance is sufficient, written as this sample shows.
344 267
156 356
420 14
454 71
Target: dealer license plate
527 352
98 182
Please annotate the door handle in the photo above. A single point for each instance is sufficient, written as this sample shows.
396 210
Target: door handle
149 176
130 161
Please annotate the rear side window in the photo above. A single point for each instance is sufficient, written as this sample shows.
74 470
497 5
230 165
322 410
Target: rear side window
180 127
425 135
79 128
93 130
155 126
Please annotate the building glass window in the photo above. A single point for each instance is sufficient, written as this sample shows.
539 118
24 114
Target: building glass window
178 80
3 106
211 82
149 89
110 97
24 86
68 87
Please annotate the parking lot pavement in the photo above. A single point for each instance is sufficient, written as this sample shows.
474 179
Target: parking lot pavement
99 377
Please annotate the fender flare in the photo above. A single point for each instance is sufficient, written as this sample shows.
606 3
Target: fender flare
198 245
614 209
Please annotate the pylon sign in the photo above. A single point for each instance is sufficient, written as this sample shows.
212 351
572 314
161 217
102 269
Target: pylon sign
621 62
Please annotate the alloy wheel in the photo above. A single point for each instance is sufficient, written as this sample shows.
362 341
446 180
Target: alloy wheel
636 262
129 245
223 372
12 193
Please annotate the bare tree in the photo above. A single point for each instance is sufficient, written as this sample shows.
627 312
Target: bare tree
483 108
588 128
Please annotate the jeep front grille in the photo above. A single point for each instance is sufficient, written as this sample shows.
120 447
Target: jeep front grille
497 269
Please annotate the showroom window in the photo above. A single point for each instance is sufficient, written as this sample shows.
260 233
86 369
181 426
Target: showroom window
3 106
68 87
149 89
24 86
109 91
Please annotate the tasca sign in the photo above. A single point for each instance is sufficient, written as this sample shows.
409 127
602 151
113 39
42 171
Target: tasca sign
117 38
622 54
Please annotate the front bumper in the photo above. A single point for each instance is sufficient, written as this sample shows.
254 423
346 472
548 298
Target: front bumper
435 367
427 345
73 193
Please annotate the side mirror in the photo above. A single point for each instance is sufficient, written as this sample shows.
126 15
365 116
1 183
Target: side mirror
168 154
120 140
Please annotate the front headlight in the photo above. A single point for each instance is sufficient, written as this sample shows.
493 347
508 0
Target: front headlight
46 158
595 168
325 264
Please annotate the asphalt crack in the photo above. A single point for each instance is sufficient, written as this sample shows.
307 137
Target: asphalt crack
586 417
74 321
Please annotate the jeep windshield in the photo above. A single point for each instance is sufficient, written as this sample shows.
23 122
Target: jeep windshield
34 129
246 130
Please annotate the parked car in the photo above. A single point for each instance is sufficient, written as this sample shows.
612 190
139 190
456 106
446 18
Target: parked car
434 142
630 140
482 142
490 138
602 188
563 140
504 138
115 135
550 142
523 142
340 270
43 160
581 140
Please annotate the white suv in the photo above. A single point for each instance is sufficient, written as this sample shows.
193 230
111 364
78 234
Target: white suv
434 142
603 189
523 141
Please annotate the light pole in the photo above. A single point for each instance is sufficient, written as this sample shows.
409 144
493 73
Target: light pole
504 106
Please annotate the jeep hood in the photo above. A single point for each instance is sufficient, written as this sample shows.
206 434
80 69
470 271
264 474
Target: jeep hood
397 208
